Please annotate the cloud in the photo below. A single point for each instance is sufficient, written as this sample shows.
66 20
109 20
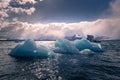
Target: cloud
3 14
101 27
22 10
4 3
109 27
26 1
115 8
6 8
41 0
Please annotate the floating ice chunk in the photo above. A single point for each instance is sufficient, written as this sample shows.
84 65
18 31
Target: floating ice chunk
29 49
65 46
85 44
82 44
95 47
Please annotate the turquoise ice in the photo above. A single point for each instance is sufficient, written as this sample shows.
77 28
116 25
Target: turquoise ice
30 49
65 46
85 44
69 47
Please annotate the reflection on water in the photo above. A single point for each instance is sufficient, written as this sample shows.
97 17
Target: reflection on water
91 66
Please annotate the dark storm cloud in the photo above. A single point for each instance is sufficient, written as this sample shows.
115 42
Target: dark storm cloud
70 10
65 10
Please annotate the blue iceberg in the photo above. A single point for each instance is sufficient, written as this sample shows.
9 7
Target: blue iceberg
82 44
65 46
85 44
68 47
30 49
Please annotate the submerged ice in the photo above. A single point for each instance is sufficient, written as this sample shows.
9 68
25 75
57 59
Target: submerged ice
30 49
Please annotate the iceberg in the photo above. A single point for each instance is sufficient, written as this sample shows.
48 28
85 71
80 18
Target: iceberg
85 44
65 46
30 49
82 44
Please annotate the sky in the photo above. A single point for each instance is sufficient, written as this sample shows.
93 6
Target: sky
23 19
65 10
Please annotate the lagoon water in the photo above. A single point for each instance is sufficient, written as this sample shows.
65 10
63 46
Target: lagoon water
83 66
